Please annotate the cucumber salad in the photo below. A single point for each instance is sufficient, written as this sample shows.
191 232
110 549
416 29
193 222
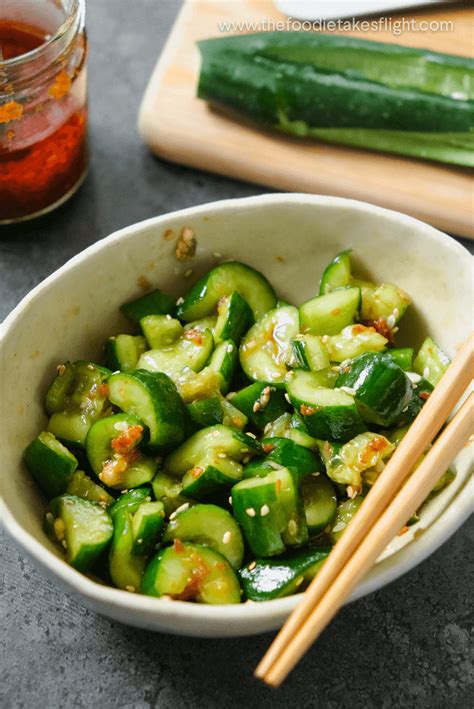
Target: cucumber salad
219 452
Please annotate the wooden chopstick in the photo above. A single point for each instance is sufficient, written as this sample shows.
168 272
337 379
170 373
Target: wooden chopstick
405 504
427 424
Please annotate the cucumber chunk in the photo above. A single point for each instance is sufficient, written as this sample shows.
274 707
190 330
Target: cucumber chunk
60 389
346 464
287 453
147 524
50 464
329 414
223 280
81 485
160 330
211 526
381 388
123 351
265 579
384 301
112 450
329 314
270 511
337 274
82 404
431 362
353 341
125 567
320 502
191 572
266 348
189 352
130 501
403 356
215 410
421 393
83 528
234 317
169 491
153 303
309 353
345 512
154 399
212 477
260 402
223 362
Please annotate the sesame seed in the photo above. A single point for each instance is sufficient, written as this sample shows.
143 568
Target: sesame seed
252 565
288 398
49 517
168 317
227 537
391 320
252 435
426 373
264 510
395 330
221 455
180 301
64 543
230 500
173 515
250 512
230 347
181 508
292 526
90 367
130 589
257 405
121 426
413 377
396 312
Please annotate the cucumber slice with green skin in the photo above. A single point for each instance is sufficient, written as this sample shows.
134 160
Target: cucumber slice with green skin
113 454
154 399
223 280
169 491
212 477
266 579
353 341
224 362
123 351
211 526
129 502
431 362
421 393
147 525
83 528
329 314
50 464
345 464
60 388
81 485
270 512
266 348
83 404
337 274
221 440
291 427
260 402
320 502
287 453
191 572
403 356
385 301
125 567
234 317
309 353
153 303
160 330
329 414
189 352
381 388
345 513
215 410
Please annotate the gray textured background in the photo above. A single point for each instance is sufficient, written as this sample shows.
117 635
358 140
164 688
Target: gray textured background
405 646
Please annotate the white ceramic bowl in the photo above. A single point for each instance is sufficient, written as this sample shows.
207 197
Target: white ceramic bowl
70 314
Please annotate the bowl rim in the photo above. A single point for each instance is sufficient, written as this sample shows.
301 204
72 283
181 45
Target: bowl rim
449 520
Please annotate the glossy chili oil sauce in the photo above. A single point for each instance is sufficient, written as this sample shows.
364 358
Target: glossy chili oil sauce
42 125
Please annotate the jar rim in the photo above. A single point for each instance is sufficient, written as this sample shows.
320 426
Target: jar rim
76 11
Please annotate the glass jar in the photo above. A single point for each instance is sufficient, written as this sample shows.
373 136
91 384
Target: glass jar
43 105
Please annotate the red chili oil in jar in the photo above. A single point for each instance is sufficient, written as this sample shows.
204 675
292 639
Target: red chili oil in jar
43 112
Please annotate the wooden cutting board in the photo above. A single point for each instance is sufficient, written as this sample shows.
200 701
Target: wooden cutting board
180 128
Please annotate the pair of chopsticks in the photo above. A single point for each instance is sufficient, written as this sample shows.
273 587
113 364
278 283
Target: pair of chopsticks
381 516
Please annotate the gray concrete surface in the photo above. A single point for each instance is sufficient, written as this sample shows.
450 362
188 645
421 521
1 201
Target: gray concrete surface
406 646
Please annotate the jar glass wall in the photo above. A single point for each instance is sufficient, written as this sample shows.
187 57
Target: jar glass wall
43 105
